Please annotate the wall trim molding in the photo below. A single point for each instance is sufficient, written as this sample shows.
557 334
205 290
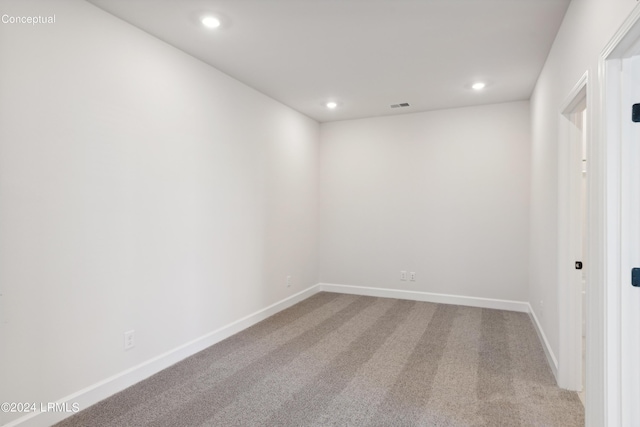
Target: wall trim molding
498 304
551 357
116 383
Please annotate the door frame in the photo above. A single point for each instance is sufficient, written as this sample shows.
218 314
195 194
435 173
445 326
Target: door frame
610 399
569 239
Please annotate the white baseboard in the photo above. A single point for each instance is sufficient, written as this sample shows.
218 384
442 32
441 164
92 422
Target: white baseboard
551 358
109 386
429 297
520 306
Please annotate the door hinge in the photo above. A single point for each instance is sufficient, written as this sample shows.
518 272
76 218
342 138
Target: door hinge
578 265
635 276
635 113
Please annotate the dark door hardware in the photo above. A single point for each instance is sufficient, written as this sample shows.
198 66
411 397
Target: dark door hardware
635 276
578 265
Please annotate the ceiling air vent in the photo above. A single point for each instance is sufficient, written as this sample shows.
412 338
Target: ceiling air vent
402 105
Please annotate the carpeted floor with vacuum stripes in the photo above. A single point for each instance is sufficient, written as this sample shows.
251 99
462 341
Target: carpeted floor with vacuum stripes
348 360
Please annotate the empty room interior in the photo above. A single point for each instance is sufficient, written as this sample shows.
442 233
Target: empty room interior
314 212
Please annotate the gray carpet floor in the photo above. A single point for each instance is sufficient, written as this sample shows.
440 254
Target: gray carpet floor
347 360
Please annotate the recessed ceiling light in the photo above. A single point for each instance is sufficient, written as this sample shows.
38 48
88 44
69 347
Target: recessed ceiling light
478 86
331 105
210 22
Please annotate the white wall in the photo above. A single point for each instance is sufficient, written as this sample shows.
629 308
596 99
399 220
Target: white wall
139 189
587 28
443 193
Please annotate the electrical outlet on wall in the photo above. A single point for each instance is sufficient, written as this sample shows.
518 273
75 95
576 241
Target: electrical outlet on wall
412 276
403 275
288 281
129 339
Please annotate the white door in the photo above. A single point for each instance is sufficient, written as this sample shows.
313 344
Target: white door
630 244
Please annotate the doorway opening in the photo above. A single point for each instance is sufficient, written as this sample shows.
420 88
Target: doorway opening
573 263
613 321
578 214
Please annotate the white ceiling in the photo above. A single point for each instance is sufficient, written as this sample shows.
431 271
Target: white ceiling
364 54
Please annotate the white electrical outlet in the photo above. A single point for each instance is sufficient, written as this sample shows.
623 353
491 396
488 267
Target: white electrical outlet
288 281
129 339
412 276
403 275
